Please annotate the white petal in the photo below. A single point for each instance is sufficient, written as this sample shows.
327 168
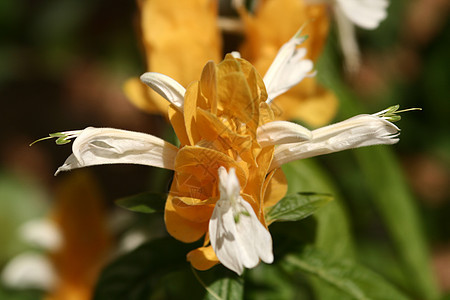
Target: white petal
365 13
254 238
229 185
167 87
359 131
99 146
42 233
222 232
29 270
237 236
282 132
288 68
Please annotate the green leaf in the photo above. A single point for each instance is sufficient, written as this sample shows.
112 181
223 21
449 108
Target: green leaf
390 192
21 200
144 203
333 233
138 274
220 283
353 280
269 282
10 294
333 229
396 205
297 206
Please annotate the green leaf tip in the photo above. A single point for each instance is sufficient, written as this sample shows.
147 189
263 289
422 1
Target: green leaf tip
297 206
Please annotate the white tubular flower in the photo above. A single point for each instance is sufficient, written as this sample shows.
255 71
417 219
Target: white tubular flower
237 236
366 14
99 146
347 41
167 87
359 131
288 68
282 132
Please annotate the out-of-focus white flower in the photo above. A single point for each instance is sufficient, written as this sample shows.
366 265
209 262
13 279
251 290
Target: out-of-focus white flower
42 233
367 14
29 271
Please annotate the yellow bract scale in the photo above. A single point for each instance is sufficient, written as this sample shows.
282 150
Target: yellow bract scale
217 128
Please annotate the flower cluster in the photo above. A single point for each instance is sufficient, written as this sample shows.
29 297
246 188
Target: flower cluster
227 167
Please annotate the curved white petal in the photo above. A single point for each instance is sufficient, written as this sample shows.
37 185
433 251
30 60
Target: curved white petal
288 68
237 236
99 146
367 14
29 270
167 87
282 132
359 131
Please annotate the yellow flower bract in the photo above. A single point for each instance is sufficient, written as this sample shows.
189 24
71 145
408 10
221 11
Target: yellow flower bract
178 37
217 127
274 23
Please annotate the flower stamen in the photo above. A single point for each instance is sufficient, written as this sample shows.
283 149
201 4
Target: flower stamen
390 113
61 137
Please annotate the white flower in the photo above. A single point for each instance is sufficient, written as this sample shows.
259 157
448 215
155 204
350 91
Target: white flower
288 68
99 146
367 14
359 131
237 236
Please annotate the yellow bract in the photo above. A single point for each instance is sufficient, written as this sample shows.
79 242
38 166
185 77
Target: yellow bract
80 216
274 23
177 37
217 127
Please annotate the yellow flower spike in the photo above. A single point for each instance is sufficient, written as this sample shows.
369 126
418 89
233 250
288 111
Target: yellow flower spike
273 24
176 35
80 216
227 166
